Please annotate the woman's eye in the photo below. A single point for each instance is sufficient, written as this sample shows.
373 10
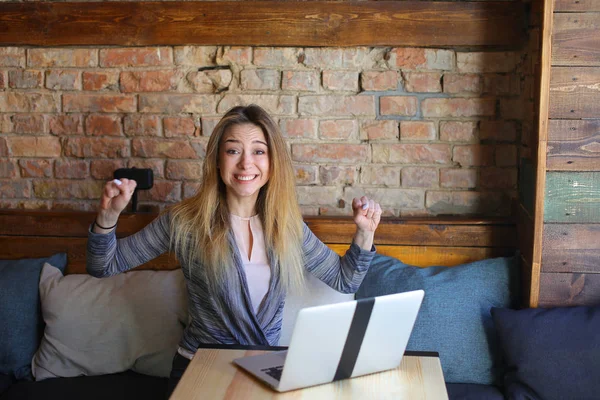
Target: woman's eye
231 151
260 152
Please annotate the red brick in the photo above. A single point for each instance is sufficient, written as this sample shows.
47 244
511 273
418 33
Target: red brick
3 147
316 195
302 81
157 166
68 189
235 55
183 170
136 57
306 174
104 125
334 106
380 175
398 105
388 197
473 155
2 80
379 80
141 125
420 177
71 169
411 153
163 191
299 128
178 103
98 103
199 145
11 189
335 175
96 147
28 123
32 168
498 130
462 83
273 104
487 61
458 107
8 169
458 131
272 56
333 58
458 178
518 109
424 82
28 102
79 205
338 129
210 81
157 148
101 80
34 146
149 81
411 59
66 124
340 81
502 84
60 79
260 79
340 153
190 189
498 178
197 56
25 79
506 155
179 126
104 169
467 202
379 130
6 124
417 130
208 125
45 57
12 57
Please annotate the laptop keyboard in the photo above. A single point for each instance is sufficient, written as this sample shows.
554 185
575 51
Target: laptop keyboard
274 372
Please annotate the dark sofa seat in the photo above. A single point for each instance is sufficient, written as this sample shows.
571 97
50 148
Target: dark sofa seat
125 385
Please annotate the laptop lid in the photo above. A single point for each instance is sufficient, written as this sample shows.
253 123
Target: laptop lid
349 339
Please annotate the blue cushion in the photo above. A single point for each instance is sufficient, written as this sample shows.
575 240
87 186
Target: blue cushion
22 326
551 353
455 317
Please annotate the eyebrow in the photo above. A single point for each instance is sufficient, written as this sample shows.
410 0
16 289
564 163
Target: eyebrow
238 141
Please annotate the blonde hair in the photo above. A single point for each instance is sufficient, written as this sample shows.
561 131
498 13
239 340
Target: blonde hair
201 225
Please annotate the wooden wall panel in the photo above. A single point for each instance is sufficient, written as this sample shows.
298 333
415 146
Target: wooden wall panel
574 155
573 129
264 23
569 289
575 40
574 92
576 5
572 197
571 248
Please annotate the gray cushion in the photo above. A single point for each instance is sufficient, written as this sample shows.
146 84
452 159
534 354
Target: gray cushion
21 327
98 326
455 318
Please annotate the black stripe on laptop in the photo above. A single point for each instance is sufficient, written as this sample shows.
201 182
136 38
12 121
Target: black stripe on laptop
355 337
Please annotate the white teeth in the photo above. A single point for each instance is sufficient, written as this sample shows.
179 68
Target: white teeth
246 178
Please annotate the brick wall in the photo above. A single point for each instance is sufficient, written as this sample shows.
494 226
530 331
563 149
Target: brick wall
424 131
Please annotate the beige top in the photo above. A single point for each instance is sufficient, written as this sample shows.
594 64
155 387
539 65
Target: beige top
258 272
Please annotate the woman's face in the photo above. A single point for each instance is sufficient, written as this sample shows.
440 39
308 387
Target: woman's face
244 161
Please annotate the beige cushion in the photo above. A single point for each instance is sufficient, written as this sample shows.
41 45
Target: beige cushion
98 326
317 293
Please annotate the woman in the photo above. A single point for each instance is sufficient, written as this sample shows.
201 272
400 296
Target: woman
241 240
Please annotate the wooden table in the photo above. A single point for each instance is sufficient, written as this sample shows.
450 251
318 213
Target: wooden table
212 375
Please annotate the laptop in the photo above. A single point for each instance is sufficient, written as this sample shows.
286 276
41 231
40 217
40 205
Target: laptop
339 341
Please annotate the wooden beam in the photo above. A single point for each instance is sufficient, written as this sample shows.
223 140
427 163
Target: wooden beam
264 23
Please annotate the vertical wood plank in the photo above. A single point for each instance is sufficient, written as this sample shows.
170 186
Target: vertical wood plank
574 92
575 40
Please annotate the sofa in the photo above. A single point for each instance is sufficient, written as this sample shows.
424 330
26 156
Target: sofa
68 335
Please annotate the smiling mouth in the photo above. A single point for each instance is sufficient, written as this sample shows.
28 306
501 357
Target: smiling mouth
245 177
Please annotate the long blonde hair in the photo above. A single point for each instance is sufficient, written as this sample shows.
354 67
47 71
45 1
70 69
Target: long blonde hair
201 224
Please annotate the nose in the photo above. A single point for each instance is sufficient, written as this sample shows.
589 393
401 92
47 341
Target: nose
245 160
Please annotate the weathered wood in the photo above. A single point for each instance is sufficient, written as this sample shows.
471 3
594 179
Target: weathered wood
525 234
571 248
576 5
575 39
572 197
569 290
576 155
573 129
526 270
574 92
264 23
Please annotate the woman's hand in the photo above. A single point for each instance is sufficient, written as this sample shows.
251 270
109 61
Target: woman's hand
115 197
367 214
